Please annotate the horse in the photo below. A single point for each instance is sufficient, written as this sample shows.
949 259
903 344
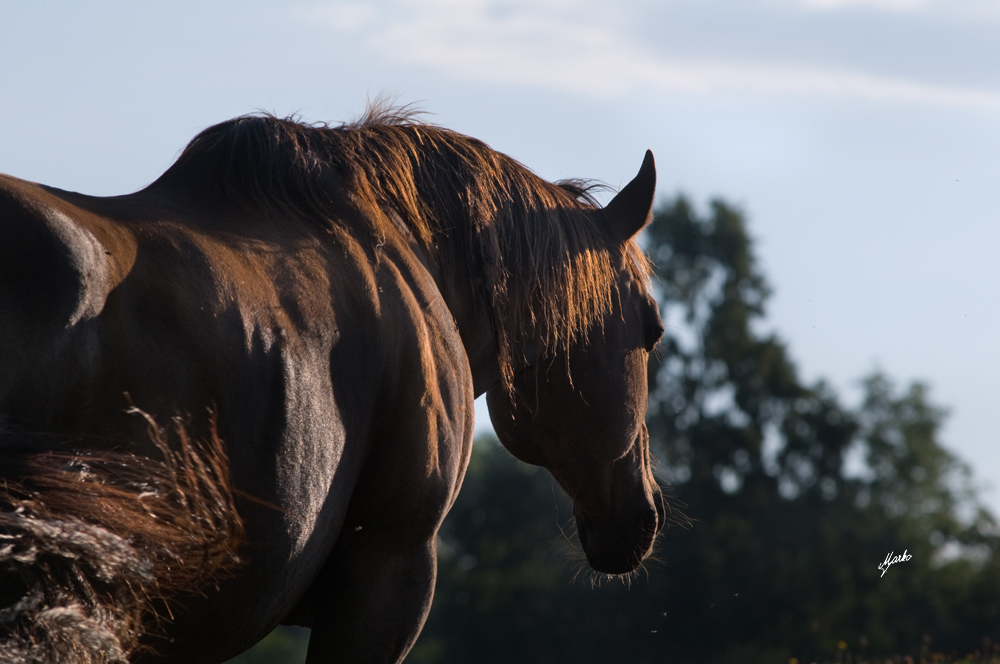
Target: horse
314 308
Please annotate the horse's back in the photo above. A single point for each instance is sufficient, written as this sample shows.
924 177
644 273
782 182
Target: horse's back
315 351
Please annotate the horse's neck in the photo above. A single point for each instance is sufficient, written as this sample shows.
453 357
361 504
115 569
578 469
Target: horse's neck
472 318
476 331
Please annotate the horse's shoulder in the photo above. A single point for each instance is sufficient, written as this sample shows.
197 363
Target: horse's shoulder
423 338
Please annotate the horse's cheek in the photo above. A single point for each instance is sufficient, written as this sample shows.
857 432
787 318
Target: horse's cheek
513 430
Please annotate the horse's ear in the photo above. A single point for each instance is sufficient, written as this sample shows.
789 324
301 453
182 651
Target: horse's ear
629 211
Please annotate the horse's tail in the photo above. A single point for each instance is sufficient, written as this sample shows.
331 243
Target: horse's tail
96 546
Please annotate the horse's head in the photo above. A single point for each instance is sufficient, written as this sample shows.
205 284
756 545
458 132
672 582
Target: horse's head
579 412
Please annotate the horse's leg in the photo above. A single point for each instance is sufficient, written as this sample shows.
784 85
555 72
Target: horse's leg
374 593
380 599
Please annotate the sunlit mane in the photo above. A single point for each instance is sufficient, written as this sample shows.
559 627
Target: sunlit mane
473 210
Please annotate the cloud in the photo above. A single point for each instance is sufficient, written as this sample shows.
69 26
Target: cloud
881 5
580 48
963 10
705 77
337 15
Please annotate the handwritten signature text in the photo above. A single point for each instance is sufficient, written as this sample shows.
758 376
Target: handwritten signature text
890 560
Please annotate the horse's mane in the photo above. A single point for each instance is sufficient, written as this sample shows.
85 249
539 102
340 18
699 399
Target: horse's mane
533 251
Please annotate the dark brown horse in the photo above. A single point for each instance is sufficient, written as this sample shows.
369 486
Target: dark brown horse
333 298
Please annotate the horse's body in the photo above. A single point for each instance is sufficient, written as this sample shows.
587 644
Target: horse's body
337 297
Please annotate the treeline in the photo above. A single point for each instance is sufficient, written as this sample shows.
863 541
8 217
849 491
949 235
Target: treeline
781 562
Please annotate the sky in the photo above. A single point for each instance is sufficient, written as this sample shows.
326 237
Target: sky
860 137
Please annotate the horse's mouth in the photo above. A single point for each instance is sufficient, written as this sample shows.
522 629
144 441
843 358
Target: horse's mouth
619 547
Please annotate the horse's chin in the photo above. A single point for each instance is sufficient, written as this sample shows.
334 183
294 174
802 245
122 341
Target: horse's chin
618 547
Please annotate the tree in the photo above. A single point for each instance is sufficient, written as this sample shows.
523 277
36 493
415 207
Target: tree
760 458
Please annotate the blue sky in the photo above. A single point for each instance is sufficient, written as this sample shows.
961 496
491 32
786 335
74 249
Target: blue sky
861 137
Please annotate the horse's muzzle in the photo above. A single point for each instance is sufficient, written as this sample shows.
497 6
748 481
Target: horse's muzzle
619 547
